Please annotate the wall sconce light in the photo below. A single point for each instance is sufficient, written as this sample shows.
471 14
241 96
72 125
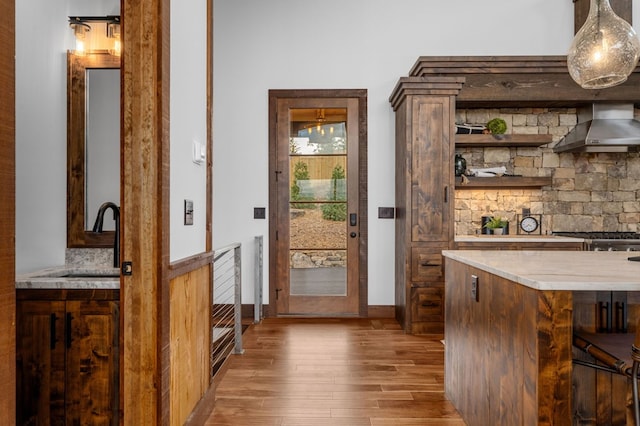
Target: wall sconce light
113 32
82 25
605 51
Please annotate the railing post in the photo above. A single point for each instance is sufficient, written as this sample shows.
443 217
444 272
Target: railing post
238 299
257 309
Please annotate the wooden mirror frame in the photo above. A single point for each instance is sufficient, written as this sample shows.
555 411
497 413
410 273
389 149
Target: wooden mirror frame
77 67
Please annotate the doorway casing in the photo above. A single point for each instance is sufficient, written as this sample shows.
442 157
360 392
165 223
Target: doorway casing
360 95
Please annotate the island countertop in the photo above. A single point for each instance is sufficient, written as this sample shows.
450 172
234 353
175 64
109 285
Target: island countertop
556 270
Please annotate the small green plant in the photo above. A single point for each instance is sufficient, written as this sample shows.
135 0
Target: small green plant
335 211
496 222
497 126
300 172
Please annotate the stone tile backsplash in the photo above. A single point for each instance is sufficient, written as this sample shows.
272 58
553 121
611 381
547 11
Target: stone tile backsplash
590 191
89 257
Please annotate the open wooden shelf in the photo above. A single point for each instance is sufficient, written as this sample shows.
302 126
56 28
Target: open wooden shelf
502 182
489 140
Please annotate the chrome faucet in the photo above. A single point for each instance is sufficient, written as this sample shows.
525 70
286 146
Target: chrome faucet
97 227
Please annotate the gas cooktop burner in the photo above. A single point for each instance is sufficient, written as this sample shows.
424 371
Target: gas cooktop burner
601 235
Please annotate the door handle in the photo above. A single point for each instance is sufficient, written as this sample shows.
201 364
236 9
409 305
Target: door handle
353 235
353 219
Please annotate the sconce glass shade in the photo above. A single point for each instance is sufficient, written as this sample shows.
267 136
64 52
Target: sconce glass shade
113 32
80 31
604 51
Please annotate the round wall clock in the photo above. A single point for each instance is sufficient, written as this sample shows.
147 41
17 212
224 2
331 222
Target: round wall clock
529 224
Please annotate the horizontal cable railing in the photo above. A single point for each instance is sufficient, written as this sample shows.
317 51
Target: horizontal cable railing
257 309
226 315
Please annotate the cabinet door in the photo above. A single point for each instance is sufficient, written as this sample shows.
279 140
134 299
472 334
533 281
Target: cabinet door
92 362
40 362
431 170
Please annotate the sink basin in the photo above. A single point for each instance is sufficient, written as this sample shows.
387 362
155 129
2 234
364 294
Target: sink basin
84 274
77 273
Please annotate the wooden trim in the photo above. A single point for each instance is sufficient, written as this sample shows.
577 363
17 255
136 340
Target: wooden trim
209 185
503 182
188 264
518 81
145 393
372 311
381 311
7 213
67 294
506 141
77 67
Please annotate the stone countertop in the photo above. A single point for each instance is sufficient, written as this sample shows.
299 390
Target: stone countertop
556 270
487 238
71 277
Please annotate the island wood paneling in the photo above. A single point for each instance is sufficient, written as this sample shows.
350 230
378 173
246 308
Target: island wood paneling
600 397
190 340
7 213
145 212
508 354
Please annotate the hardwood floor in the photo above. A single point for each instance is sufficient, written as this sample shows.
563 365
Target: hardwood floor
334 372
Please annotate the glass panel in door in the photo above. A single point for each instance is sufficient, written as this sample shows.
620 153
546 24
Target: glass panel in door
318 202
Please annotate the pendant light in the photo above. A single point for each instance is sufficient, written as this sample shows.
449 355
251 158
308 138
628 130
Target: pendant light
605 50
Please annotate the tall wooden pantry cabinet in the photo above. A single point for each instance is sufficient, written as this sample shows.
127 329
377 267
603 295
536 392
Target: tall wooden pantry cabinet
425 113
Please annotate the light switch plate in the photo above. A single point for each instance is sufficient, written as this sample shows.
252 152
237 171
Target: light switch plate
188 212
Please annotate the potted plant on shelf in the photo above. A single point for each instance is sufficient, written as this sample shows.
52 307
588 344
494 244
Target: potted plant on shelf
496 225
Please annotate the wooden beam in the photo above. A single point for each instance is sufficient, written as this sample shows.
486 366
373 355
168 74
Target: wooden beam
7 213
519 81
145 212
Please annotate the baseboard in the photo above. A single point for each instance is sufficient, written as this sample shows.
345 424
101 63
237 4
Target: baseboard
381 311
374 311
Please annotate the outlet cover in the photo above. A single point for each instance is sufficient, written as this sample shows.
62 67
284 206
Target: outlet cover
259 213
386 212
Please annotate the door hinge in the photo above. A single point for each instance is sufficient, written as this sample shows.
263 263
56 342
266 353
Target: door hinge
276 235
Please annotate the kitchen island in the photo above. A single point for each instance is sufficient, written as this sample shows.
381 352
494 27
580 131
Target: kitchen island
508 329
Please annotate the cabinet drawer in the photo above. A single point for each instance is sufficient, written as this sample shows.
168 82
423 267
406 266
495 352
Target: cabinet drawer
426 265
427 304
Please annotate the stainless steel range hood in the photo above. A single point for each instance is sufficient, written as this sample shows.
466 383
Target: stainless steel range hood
603 128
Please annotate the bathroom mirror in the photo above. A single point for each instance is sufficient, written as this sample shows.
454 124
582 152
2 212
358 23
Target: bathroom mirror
93 144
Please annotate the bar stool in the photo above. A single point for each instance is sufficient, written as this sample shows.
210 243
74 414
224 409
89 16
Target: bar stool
618 353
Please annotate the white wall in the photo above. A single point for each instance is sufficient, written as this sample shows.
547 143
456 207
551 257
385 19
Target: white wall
301 44
42 40
188 124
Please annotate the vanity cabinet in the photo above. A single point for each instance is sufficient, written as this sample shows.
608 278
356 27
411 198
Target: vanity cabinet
67 357
425 111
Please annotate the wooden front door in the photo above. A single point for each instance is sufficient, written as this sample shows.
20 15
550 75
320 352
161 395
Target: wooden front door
315 206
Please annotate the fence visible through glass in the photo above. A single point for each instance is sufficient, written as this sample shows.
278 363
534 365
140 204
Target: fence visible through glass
318 202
